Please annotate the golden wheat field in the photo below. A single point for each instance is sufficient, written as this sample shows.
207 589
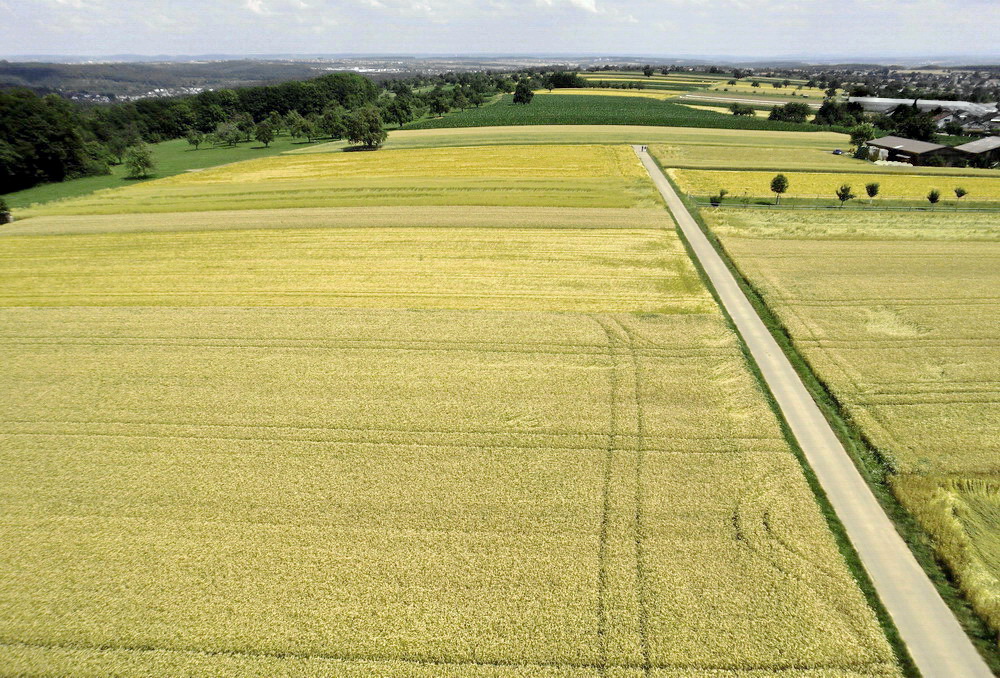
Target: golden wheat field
397 442
555 176
661 94
824 184
898 315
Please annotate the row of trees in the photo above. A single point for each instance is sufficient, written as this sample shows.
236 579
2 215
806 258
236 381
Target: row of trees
363 126
844 193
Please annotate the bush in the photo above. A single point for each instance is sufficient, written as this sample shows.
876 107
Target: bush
4 212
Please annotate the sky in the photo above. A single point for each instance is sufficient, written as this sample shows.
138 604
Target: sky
668 28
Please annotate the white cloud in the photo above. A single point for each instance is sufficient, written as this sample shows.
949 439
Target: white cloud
664 27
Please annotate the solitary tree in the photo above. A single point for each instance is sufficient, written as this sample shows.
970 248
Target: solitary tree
742 109
264 133
779 185
364 127
872 191
523 93
139 162
933 196
716 200
844 194
647 70
960 192
195 137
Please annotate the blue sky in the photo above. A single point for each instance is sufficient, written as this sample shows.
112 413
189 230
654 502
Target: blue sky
750 28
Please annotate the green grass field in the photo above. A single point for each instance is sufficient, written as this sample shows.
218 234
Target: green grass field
397 441
562 109
897 314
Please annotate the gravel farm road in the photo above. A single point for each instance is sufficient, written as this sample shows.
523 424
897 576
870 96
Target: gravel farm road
932 635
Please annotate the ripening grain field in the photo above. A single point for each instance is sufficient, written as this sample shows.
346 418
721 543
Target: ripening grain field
568 176
900 316
893 186
397 442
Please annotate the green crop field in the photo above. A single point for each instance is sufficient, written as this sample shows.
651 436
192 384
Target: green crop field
898 315
499 442
570 176
563 109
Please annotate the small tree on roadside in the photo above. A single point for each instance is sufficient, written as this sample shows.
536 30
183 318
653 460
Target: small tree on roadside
779 185
960 192
4 212
523 93
139 162
264 133
844 194
934 196
872 190
195 137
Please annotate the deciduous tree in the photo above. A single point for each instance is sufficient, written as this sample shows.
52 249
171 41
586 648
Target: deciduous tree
844 194
364 127
779 185
523 93
139 162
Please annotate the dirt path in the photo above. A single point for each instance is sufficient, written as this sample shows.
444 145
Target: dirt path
933 636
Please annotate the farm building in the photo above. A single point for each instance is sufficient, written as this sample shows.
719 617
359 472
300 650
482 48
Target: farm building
982 151
898 149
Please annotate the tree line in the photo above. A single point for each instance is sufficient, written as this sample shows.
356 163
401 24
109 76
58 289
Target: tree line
49 139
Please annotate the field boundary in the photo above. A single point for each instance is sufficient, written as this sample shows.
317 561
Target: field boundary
936 641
